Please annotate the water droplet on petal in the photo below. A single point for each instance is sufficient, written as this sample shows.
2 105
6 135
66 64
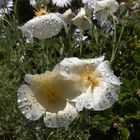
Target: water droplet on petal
103 70
25 99
107 75
33 116
29 104
26 107
43 112
23 112
67 70
19 101
92 63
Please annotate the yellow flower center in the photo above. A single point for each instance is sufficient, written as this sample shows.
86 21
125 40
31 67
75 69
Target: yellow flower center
52 91
89 78
48 93
41 11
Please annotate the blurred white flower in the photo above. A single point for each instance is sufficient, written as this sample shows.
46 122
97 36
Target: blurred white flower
33 2
62 3
45 26
101 86
89 6
5 6
105 9
82 21
47 95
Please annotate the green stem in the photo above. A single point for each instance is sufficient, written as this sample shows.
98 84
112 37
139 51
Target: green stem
116 43
81 45
114 49
43 55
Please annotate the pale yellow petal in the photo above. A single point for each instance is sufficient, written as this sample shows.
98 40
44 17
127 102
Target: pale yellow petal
51 90
82 21
62 118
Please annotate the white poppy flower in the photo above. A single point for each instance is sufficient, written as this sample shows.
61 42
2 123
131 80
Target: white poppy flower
45 26
62 3
5 6
68 16
47 95
101 86
82 21
105 8
89 6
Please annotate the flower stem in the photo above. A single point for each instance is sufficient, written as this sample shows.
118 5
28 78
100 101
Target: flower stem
81 45
114 49
43 54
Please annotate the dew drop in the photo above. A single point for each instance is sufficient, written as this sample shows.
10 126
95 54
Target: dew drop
92 63
115 96
103 70
43 112
23 112
33 116
25 99
19 101
32 26
107 75
30 105
26 107
37 104
107 96
100 105
67 70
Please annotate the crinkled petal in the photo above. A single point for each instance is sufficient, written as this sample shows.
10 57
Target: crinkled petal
104 95
73 67
99 98
104 71
43 27
28 104
62 118
83 101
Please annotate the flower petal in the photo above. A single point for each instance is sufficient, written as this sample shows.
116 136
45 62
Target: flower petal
112 5
104 71
43 27
83 101
28 104
94 62
99 98
104 95
51 89
82 21
62 118
73 67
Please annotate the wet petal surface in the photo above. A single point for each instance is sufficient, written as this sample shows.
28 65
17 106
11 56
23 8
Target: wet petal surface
62 118
28 104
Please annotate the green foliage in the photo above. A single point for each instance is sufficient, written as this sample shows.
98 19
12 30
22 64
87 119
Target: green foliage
121 121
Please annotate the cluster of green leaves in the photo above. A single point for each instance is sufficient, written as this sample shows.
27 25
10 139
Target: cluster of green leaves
121 121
